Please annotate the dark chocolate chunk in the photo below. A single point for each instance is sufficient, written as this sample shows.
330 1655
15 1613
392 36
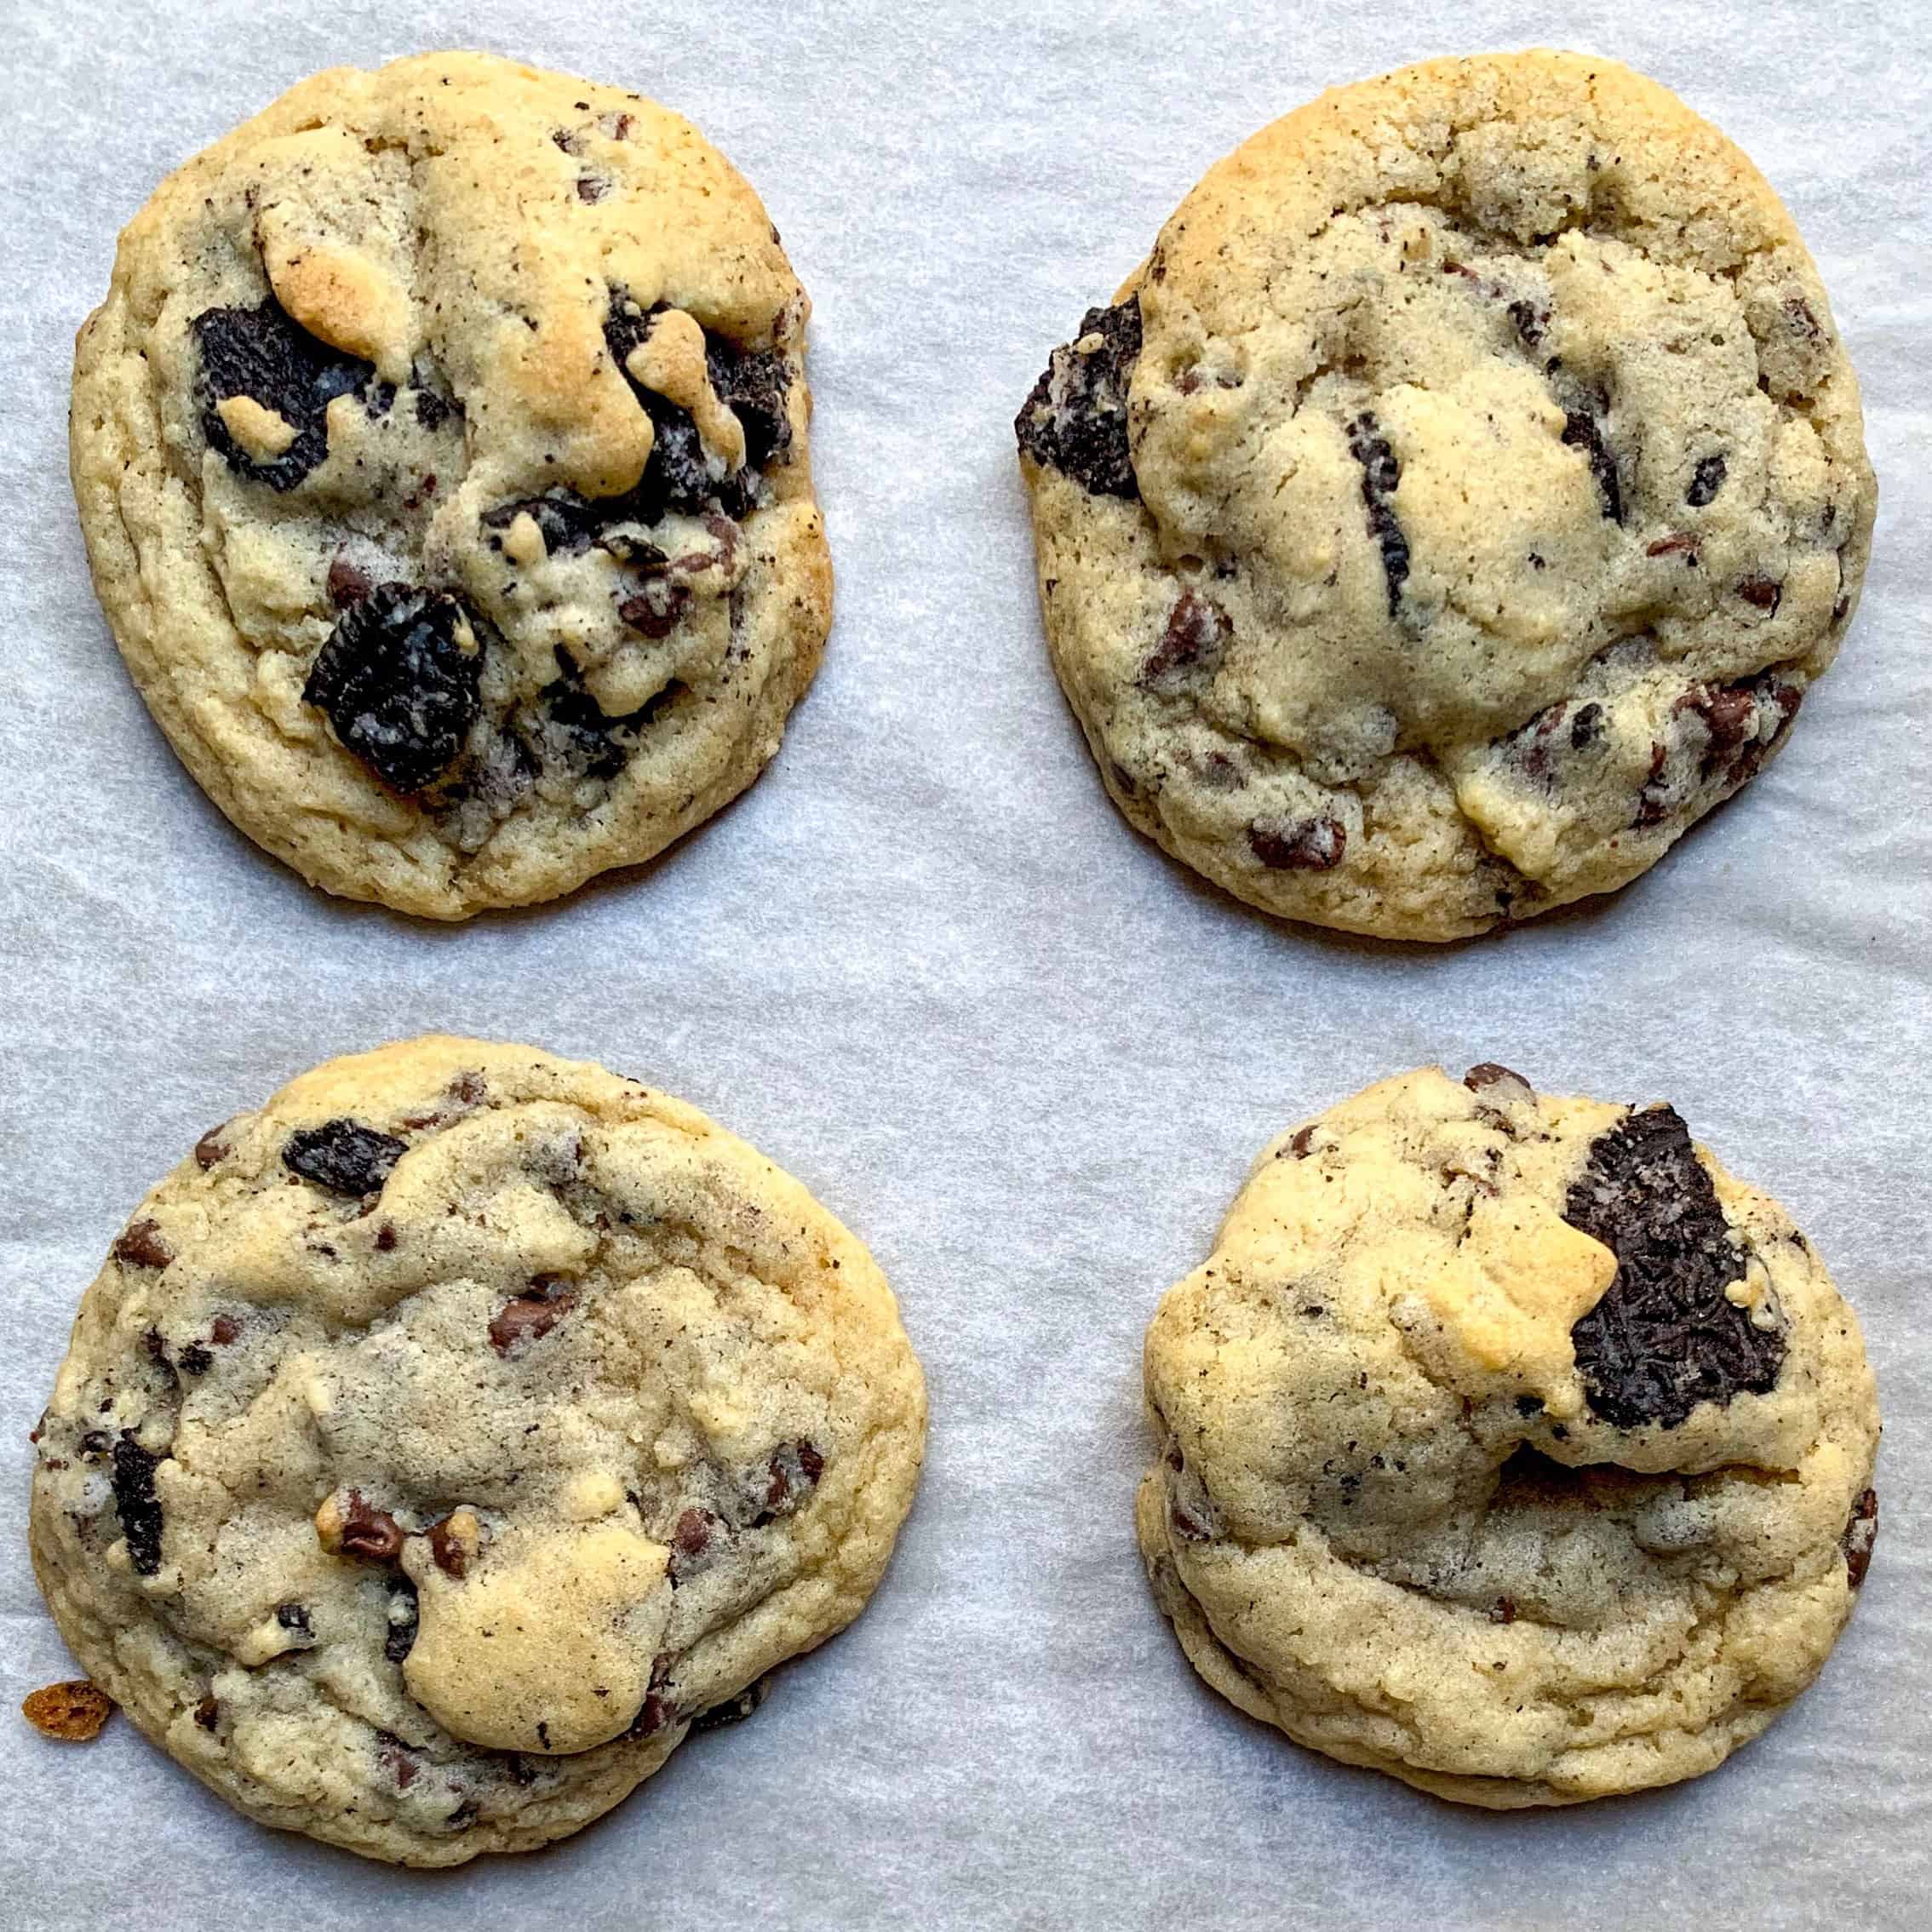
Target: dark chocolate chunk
223 1329
733 1709
371 1533
527 1318
136 1504
1860 1533
211 1150
1380 474
1663 1337
654 610
450 1551
343 1156
657 1711
1303 1142
1307 845
1075 420
140 1245
263 353
402 1620
1706 481
1490 1073
694 1542
1191 645
400 691
348 584
1765 593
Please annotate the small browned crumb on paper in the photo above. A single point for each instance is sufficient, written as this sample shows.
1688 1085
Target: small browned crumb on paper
76 1710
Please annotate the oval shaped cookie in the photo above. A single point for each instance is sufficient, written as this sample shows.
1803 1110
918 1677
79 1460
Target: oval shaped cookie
1508 1445
443 1440
1459 501
441 452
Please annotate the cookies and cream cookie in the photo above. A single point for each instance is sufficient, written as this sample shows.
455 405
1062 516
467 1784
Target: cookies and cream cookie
445 1439
1457 503
1508 1445
441 452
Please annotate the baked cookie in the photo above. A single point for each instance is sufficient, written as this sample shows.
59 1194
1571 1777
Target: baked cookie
441 451
1458 502
445 1440
1508 1445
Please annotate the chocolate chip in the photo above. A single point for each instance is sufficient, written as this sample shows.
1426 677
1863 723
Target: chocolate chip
140 1245
401 1762
1670 545
450 1551
1190 646
264 354
1763 592
654 610
1489 1073
1860 1533
525 1320
208 1713
1663 1337
369 1532
211 1148
1503 1610
347 584
402 1619
1582 430
1302 1141
223 1329
399 690
1380 475
136 1504
733 1709
693 1542
343 1156
1075 420
590 188
793 1470
1308 844
657 1711
1706 481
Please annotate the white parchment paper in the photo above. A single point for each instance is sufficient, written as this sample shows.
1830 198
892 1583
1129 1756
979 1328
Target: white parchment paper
926 966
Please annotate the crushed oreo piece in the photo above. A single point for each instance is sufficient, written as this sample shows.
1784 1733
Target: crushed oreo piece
733 1709
1380 475
400 1639
343 1156
752 383
1706 481
265 354
400 691
1075 420
569 522
1663 1337
1308 844
1583 429
293 1618
135 1503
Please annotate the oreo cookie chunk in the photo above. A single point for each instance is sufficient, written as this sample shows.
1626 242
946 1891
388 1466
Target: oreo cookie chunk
514 578
1495 408
1522 1408
353 1453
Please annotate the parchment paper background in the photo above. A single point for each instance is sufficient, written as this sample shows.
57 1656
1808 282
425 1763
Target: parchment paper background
926 967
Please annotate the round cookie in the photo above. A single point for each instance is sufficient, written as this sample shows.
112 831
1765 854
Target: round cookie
1458 502
443 1442
1508 1445
441 452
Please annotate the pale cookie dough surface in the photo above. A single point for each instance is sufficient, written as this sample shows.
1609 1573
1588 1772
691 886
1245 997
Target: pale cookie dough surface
1459 501
442 1440
441 453
1508 1445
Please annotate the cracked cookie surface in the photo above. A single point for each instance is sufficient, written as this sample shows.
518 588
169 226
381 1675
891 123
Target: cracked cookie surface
1459 501
441 453
445 1441
1507 1444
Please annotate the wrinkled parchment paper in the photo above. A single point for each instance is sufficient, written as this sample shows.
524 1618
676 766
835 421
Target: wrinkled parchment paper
926 966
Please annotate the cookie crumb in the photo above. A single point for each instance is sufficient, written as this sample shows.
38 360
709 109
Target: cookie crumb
75 1710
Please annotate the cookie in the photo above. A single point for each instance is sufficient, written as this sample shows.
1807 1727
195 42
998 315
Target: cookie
1508 1445
443 1442
441 452
1458 502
